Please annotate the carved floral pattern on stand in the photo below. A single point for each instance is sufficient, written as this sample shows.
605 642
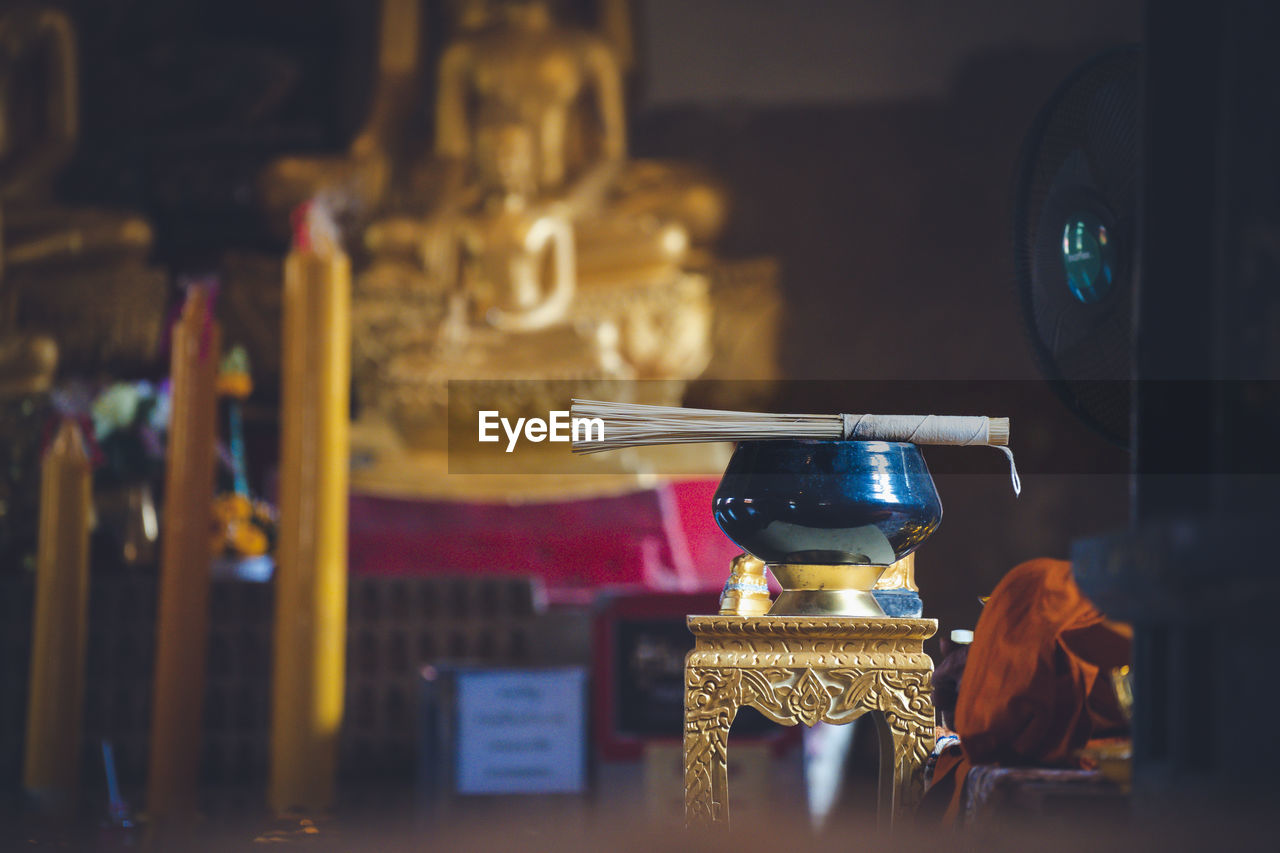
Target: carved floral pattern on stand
801 673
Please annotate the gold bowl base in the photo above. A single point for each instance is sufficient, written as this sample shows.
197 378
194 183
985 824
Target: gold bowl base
809 590
826 602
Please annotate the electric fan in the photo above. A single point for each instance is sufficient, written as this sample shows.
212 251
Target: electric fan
1075 214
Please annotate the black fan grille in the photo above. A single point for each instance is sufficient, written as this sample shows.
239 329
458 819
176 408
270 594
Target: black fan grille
1082 155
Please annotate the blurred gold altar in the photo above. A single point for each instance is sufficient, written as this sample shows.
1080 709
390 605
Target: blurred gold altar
525 248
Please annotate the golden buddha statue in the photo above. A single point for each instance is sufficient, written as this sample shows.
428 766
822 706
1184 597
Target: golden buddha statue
525 245
500 315
512 147
55 256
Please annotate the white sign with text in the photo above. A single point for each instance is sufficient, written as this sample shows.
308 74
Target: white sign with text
521 731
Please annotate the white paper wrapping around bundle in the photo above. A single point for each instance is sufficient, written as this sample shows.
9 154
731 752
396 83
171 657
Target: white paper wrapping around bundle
927 429
935 429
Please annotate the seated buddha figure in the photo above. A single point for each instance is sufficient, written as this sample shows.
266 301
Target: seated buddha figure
53 254
561 88
514 258
501 316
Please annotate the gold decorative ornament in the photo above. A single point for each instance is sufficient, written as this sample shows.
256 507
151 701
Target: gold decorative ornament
797 669
900 575
746 592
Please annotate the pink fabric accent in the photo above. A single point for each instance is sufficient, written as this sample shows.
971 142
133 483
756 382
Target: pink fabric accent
660 539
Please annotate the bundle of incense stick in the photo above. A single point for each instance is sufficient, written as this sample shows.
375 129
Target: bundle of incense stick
633 424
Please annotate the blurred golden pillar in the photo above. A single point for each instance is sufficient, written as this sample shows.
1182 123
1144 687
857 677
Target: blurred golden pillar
182 621
55 699
311 572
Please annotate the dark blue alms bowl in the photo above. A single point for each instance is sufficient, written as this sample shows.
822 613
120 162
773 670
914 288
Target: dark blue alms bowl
827 503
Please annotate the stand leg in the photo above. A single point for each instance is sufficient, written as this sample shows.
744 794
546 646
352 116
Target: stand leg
710 704
910 719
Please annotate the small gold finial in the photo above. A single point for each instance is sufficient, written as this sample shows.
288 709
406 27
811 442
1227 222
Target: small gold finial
746 592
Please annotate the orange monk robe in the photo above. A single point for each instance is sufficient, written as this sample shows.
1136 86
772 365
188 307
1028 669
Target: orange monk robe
1036 684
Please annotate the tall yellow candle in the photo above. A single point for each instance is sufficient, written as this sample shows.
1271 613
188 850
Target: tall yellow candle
182 620
311 557
55 698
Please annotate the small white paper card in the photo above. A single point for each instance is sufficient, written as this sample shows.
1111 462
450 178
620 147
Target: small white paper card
521 731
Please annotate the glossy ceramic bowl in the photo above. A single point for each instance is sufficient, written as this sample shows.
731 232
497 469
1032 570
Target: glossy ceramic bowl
827 516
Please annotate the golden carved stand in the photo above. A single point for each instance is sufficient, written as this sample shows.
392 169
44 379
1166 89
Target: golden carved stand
802 669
